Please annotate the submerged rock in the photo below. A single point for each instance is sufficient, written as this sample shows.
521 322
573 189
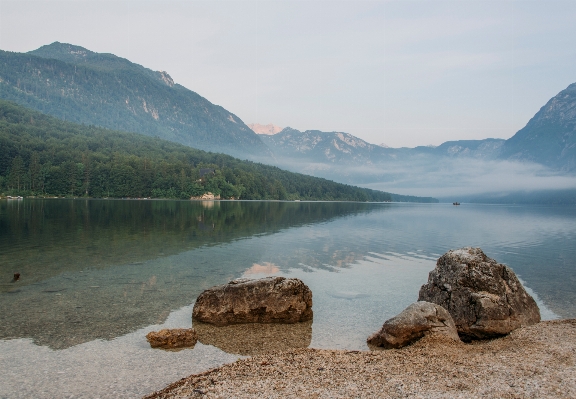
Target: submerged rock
251 339
172 338
266 300
484 297
419 319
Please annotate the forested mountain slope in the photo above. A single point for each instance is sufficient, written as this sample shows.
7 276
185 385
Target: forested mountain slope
78 85
43 155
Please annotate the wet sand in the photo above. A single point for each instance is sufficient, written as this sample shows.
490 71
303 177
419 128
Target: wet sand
532 362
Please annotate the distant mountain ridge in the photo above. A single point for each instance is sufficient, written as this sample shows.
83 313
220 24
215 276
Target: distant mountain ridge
340 147
540 158
549 139
76 84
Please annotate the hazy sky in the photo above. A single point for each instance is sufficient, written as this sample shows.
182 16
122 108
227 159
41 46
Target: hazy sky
404 73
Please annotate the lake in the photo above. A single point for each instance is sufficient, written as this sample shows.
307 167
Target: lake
98 275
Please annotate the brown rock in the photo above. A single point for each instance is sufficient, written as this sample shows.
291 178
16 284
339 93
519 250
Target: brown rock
484 297
172 338
266 300
417 320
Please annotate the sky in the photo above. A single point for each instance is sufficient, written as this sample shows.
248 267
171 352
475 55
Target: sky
403 73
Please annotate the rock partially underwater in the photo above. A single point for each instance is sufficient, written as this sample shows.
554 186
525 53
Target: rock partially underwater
484 297
266 300
172 338
417 320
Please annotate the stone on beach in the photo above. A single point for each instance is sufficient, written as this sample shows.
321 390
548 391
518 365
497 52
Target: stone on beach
419 319
172 338
266 300
484 297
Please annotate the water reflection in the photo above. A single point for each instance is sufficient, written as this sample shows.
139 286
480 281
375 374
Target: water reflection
114 270
44 238
254 338
109 268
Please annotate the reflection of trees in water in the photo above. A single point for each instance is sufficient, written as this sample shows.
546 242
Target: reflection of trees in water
42 238
100 269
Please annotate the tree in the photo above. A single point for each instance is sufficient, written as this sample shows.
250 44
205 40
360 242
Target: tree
34 171
17 171
87 172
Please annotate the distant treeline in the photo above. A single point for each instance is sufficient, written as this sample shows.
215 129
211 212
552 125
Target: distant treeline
42 155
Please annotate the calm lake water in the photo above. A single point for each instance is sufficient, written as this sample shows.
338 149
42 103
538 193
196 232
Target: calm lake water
98 275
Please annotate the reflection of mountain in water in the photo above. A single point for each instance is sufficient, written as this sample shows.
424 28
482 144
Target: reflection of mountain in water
100 269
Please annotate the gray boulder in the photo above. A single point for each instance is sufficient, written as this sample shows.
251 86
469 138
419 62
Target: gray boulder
266 300
484 297
417 320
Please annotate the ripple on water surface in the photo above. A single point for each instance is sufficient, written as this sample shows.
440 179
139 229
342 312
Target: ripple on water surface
97 276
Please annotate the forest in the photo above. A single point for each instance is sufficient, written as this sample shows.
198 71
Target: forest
44 156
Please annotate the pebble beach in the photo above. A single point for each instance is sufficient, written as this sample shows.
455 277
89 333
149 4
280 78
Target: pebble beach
538 361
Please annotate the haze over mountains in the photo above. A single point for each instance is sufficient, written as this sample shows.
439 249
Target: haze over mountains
76 84
541 156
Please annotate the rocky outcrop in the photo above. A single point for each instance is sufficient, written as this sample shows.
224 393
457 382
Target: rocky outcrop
172 338
484 297
417 320
266 300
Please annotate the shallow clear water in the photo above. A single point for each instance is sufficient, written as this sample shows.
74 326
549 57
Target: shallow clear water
97 275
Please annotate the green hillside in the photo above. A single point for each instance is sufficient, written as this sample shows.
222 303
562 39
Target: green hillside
42 155
78 85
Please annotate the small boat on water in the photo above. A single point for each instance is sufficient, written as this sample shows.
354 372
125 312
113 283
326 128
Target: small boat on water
14 198
455 203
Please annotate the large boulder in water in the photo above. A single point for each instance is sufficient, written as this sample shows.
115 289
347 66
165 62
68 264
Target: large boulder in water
419 319
484 297
266 300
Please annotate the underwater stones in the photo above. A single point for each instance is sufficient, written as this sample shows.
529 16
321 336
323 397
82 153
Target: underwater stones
419 319
484 297
266 300
172 338
249 339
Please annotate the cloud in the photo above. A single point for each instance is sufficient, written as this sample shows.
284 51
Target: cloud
432 176
467 176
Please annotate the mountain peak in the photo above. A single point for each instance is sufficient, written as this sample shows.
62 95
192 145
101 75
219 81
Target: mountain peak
63 51
268 129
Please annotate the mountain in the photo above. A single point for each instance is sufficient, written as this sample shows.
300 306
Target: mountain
338 148
78 85
549 138
264 129
317 146
42 155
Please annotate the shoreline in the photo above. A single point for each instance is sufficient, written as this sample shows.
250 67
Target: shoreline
535 361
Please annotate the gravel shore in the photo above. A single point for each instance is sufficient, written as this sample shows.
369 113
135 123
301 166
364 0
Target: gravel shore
532 362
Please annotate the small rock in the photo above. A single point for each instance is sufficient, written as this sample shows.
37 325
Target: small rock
266 300
484 297
417 320
172 338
